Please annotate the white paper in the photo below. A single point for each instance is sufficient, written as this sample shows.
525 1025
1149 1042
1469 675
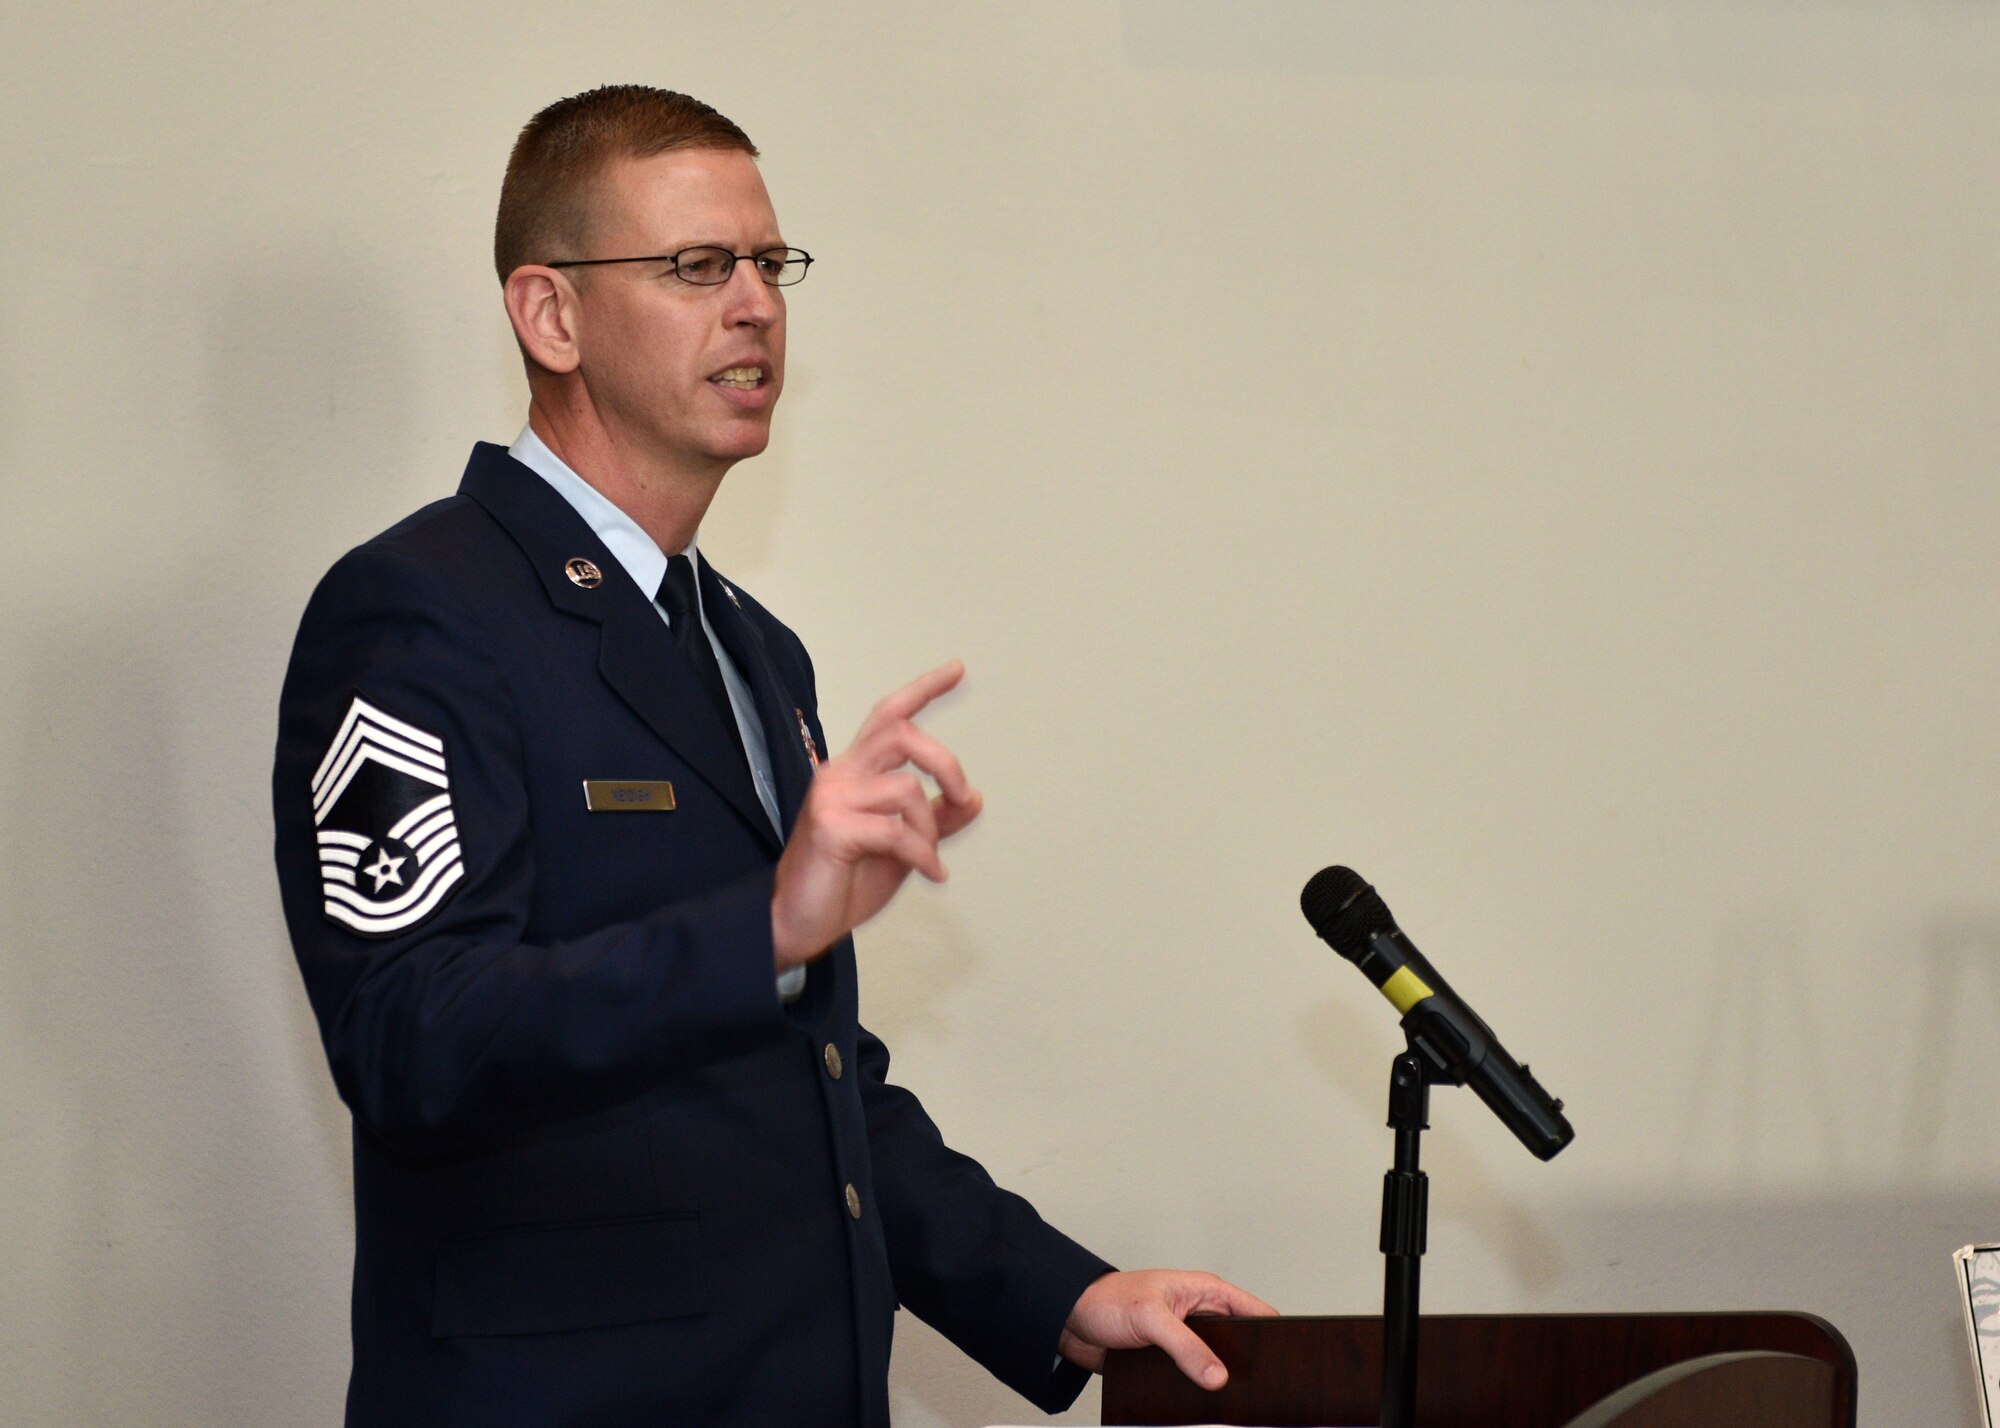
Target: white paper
1979 1280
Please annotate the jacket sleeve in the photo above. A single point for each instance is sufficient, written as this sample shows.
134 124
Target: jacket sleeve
972 1260
456 1031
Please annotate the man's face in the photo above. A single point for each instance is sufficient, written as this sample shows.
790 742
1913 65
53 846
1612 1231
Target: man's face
688 375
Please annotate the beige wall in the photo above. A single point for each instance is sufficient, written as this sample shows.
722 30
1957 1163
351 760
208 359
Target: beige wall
1538 453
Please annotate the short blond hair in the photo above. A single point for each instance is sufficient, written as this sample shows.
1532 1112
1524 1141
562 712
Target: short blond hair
546 197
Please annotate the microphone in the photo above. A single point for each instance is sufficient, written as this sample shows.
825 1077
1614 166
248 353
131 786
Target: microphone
1351 918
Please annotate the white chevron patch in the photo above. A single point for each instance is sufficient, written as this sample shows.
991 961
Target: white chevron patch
388 839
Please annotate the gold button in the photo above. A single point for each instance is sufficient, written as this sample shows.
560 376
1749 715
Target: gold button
832 1059
854 1202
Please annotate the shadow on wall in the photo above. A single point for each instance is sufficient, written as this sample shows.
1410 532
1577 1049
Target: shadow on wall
195 1165
1960 964
1765 1050
1878 1268
1760 1014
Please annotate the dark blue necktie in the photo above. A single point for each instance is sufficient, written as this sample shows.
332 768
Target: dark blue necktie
677 598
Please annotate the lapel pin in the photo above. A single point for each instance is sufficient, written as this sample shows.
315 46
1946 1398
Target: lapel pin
805 734
731 594
584 573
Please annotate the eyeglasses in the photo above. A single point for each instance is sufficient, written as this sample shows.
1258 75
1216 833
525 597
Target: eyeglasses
712 267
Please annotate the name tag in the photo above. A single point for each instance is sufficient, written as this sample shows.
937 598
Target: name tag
624 795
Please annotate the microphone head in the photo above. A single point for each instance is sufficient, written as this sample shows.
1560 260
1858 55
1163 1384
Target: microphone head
1344 910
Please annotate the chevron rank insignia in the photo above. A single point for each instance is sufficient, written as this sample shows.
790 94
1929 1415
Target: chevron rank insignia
388 840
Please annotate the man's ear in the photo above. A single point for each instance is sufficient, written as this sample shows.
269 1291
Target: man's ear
541 303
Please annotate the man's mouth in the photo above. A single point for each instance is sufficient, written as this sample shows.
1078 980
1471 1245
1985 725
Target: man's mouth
744 379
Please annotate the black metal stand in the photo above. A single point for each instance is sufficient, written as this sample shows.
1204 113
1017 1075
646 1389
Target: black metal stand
1405 1206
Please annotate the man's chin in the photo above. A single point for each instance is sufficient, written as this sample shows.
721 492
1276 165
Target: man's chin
745 442
715 448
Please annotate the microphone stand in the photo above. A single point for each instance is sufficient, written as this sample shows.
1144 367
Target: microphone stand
1405 1210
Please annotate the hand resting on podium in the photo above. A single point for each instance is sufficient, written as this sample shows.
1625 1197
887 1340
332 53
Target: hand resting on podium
1135 1308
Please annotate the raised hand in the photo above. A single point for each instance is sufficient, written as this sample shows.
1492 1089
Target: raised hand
867 822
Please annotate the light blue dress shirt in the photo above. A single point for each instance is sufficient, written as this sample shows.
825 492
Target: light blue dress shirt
641 558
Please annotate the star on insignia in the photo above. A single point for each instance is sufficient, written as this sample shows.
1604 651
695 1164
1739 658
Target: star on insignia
385 870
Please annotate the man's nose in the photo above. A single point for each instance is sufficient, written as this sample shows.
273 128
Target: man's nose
752 301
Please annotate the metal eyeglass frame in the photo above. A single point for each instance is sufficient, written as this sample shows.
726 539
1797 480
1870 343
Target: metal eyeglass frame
793 255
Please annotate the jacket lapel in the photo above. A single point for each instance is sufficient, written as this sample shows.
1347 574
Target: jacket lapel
637 655
778 710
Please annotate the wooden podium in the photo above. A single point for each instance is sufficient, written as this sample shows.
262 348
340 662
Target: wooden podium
1508 1371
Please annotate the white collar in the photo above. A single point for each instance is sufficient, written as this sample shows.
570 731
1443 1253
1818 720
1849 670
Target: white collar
628 543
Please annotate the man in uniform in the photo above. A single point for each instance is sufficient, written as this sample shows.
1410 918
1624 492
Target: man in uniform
571 887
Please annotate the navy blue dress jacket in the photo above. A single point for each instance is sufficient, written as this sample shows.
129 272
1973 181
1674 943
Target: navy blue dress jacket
602 1175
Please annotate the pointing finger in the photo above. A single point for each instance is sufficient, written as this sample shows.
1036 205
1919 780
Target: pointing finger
907 702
